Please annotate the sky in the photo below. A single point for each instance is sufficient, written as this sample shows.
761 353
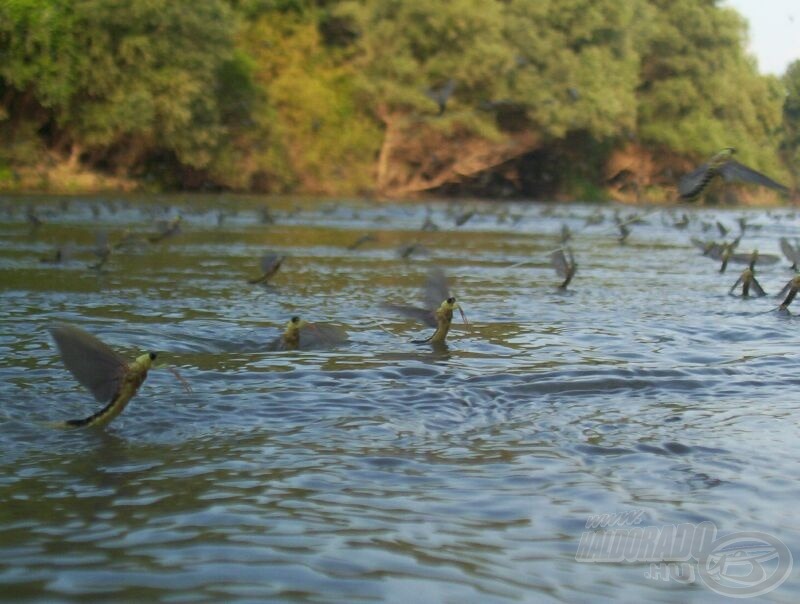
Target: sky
774 31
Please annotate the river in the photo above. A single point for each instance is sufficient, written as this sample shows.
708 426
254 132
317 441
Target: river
381 470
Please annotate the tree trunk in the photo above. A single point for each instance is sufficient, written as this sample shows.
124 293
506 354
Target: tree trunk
416 158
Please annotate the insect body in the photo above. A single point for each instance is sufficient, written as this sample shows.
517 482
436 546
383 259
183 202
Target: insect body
290 340
444 318
790 289
102 371
438 310
300 334
748 279
722 164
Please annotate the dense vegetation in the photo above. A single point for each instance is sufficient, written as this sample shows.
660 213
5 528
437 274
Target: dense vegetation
573 98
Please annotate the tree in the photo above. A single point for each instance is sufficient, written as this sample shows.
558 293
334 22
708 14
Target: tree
117 82
790 146
333 96
699 92
312 133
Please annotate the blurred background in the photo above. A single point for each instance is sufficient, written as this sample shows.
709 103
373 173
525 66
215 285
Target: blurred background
542 99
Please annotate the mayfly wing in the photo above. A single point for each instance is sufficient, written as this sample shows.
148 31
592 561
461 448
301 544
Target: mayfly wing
690 183
768 259
700 244
788 250
268 262
734 171
785 289
322 334
741 258
436 289
94 365
559 262
100 240
424 315
715 251
757 287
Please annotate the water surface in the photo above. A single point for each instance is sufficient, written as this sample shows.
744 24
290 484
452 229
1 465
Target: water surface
382 470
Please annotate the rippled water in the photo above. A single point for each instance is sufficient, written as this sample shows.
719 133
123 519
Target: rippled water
383 470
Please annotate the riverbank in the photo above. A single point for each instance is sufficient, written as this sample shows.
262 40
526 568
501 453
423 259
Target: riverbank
630 179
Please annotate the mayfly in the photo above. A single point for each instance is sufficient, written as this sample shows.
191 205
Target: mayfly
102 249
34 220
790 290
464 217
438 308
108 376
128 240
748 279
366 238
693 184
429 224
791 252
408 250
270 263
300 334
441 94
62 253
565 265
166 228
721 251
622 226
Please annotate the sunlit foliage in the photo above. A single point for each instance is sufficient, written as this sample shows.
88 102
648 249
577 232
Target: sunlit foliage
313 95
791 121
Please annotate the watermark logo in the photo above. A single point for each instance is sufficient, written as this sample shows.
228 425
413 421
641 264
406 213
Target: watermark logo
738 565
746 564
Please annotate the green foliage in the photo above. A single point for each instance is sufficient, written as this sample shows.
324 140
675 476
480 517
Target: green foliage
38 50
576 64
698 91
122 80
790 146
409 48
6 174
313 132
279 95
148 74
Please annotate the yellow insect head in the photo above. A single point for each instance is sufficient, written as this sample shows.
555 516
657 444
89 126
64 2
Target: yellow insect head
144 362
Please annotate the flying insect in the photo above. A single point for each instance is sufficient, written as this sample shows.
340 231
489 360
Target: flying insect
270 263
408 250
565 265
300 335
102 249
166 228
790 290
103 372
724 252
692 185
622 226
441 94
366 238
791 252
748 279
61 254
438 308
